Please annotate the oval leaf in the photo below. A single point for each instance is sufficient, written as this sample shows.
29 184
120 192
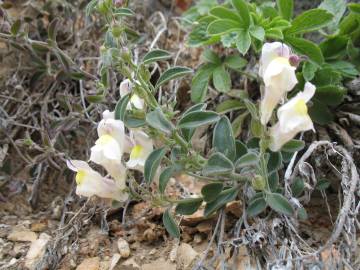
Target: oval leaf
156 55
152 163
211 191
157 120
223 138
256 207
223 198
248 159
293 146
120 108
279 203
188 206
218 164
172 73
164 178
196 119
170 224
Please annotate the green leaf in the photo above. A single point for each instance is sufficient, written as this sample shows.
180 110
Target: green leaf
297 187
309 20
273 180
200 83
322 184
302 214
249 159
95 98
52 29
286 8
274 33
224 13
242 9
211 191
15 28
156 119
223 26
229 105
256 127
256 207
188 133
165 177
345 68
309 70
218 164
238 122
156 55
170 224
279 203
320 113
330 94
120 108
275 162
241 149
133 122
243 41
152 163
221 79
196 119
293 146
235 62
257 32
327 76
90 7
306 47
349 24
172 73
223 198
334 47
209 56
199 35
336 8
188 206
223 138
124 12
354 7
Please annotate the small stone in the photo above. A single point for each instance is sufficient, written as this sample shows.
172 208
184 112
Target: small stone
89 264
22 236
114 260
131 262
123 247
36 251
159 264
197 238
205 226
186 255
38 226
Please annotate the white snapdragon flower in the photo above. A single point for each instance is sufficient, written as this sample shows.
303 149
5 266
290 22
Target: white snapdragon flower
90 182
278 75
142 147
110 146
293 118
135 100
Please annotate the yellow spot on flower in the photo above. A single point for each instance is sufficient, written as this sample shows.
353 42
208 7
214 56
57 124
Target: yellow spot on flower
104 139
300 107
80 176
136 152
282 60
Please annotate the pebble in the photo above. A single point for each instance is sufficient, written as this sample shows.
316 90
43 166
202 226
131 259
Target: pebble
132 263
159 264
123 247
89 264
186 255
36 251
22 236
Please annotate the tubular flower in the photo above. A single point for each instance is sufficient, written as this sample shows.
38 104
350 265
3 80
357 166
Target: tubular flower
90 182
142 147
110 146
278 75
293 118
135 100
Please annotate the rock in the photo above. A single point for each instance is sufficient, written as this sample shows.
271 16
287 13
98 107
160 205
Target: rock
89 264
159 264
123 247
205 226
131 262
114 260
22 236
197 238
36 251
38 226
186 255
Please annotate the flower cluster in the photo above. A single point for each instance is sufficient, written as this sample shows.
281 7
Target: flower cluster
277 68
113 141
